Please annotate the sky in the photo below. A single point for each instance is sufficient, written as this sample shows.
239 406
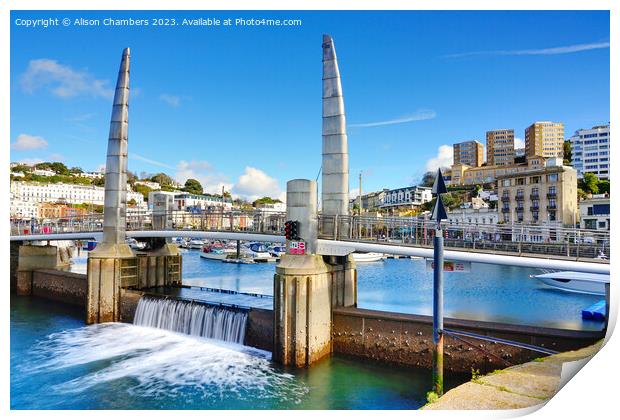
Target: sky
240 106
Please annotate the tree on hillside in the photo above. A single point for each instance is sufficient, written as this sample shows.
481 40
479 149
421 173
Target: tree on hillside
589 183
76 170
162 179
21 168
142 189
266 200
568 153
603 186
193 186
131 178
57 167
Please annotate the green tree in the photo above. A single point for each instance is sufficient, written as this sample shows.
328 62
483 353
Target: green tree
568 153
589 183
603 186
266 200
162 179
131 178
21 168
132 202
193 186
76 170
142 189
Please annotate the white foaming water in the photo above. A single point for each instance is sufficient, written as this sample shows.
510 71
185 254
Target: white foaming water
191 318
161 363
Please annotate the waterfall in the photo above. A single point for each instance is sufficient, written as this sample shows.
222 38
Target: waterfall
192 318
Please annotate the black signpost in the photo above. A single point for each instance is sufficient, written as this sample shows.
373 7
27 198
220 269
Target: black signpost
439 214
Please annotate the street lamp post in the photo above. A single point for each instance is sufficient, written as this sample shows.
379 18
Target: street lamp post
439 214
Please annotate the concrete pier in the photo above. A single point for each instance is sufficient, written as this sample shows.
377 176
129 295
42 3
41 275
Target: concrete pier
37 257
306 287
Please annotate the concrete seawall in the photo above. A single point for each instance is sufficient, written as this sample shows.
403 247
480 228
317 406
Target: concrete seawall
60 286
407 339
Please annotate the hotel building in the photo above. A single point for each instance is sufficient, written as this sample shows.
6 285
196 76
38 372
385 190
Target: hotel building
544 138
470 153
591 151
501 147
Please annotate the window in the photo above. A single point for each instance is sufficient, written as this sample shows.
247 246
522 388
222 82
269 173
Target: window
601 225
552 178
552 216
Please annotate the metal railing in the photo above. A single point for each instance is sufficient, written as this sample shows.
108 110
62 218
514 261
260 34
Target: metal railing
518 238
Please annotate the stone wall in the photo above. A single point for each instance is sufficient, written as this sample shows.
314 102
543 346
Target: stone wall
128 304
408 339
60 286
259 329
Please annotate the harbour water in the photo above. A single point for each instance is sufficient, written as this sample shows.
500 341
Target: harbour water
59 363
487 293
121 366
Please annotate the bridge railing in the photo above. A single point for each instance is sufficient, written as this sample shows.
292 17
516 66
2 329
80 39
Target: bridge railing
509 238
517 238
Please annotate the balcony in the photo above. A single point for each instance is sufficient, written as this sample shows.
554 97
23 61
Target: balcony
519 197
505 198
534 196
534 208
520 209
552 195
552 207
505 209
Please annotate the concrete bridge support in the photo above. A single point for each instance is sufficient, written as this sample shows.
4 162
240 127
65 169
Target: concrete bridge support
37 257
306 287
112 263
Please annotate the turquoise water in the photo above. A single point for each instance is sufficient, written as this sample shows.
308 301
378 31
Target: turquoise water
59 363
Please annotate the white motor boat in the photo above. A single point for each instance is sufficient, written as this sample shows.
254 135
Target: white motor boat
573 281
196 244
259 252
367 256
277 250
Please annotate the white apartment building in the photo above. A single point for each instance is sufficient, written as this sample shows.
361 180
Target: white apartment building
591 151
595 212
152 185
68 193
20 209
43 172
194 202
406 197
480 216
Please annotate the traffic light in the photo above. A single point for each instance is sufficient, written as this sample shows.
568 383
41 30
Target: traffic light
291 229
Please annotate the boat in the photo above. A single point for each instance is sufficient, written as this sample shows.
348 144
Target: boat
196 244
277 250
573 281
134 244
232 259
217 252
259 252
367 256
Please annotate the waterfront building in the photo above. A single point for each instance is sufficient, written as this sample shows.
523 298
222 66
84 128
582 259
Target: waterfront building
271 207
544 138
152 185
197 203
476 216
371 202
595 212
23 209
43 172
470 153
406 198
91 175
58 211
501 147
38 192
547 195
591 151
465 175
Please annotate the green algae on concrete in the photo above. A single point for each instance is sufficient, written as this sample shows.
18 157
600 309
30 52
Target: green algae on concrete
519 386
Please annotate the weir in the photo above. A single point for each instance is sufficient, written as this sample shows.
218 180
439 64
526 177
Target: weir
192 318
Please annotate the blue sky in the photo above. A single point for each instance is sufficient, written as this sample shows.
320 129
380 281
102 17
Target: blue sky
241 106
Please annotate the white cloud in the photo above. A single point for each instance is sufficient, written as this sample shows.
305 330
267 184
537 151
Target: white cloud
28 142
254 183
202 171
419 115
542 51
171 100
519 143
62 80
443 159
